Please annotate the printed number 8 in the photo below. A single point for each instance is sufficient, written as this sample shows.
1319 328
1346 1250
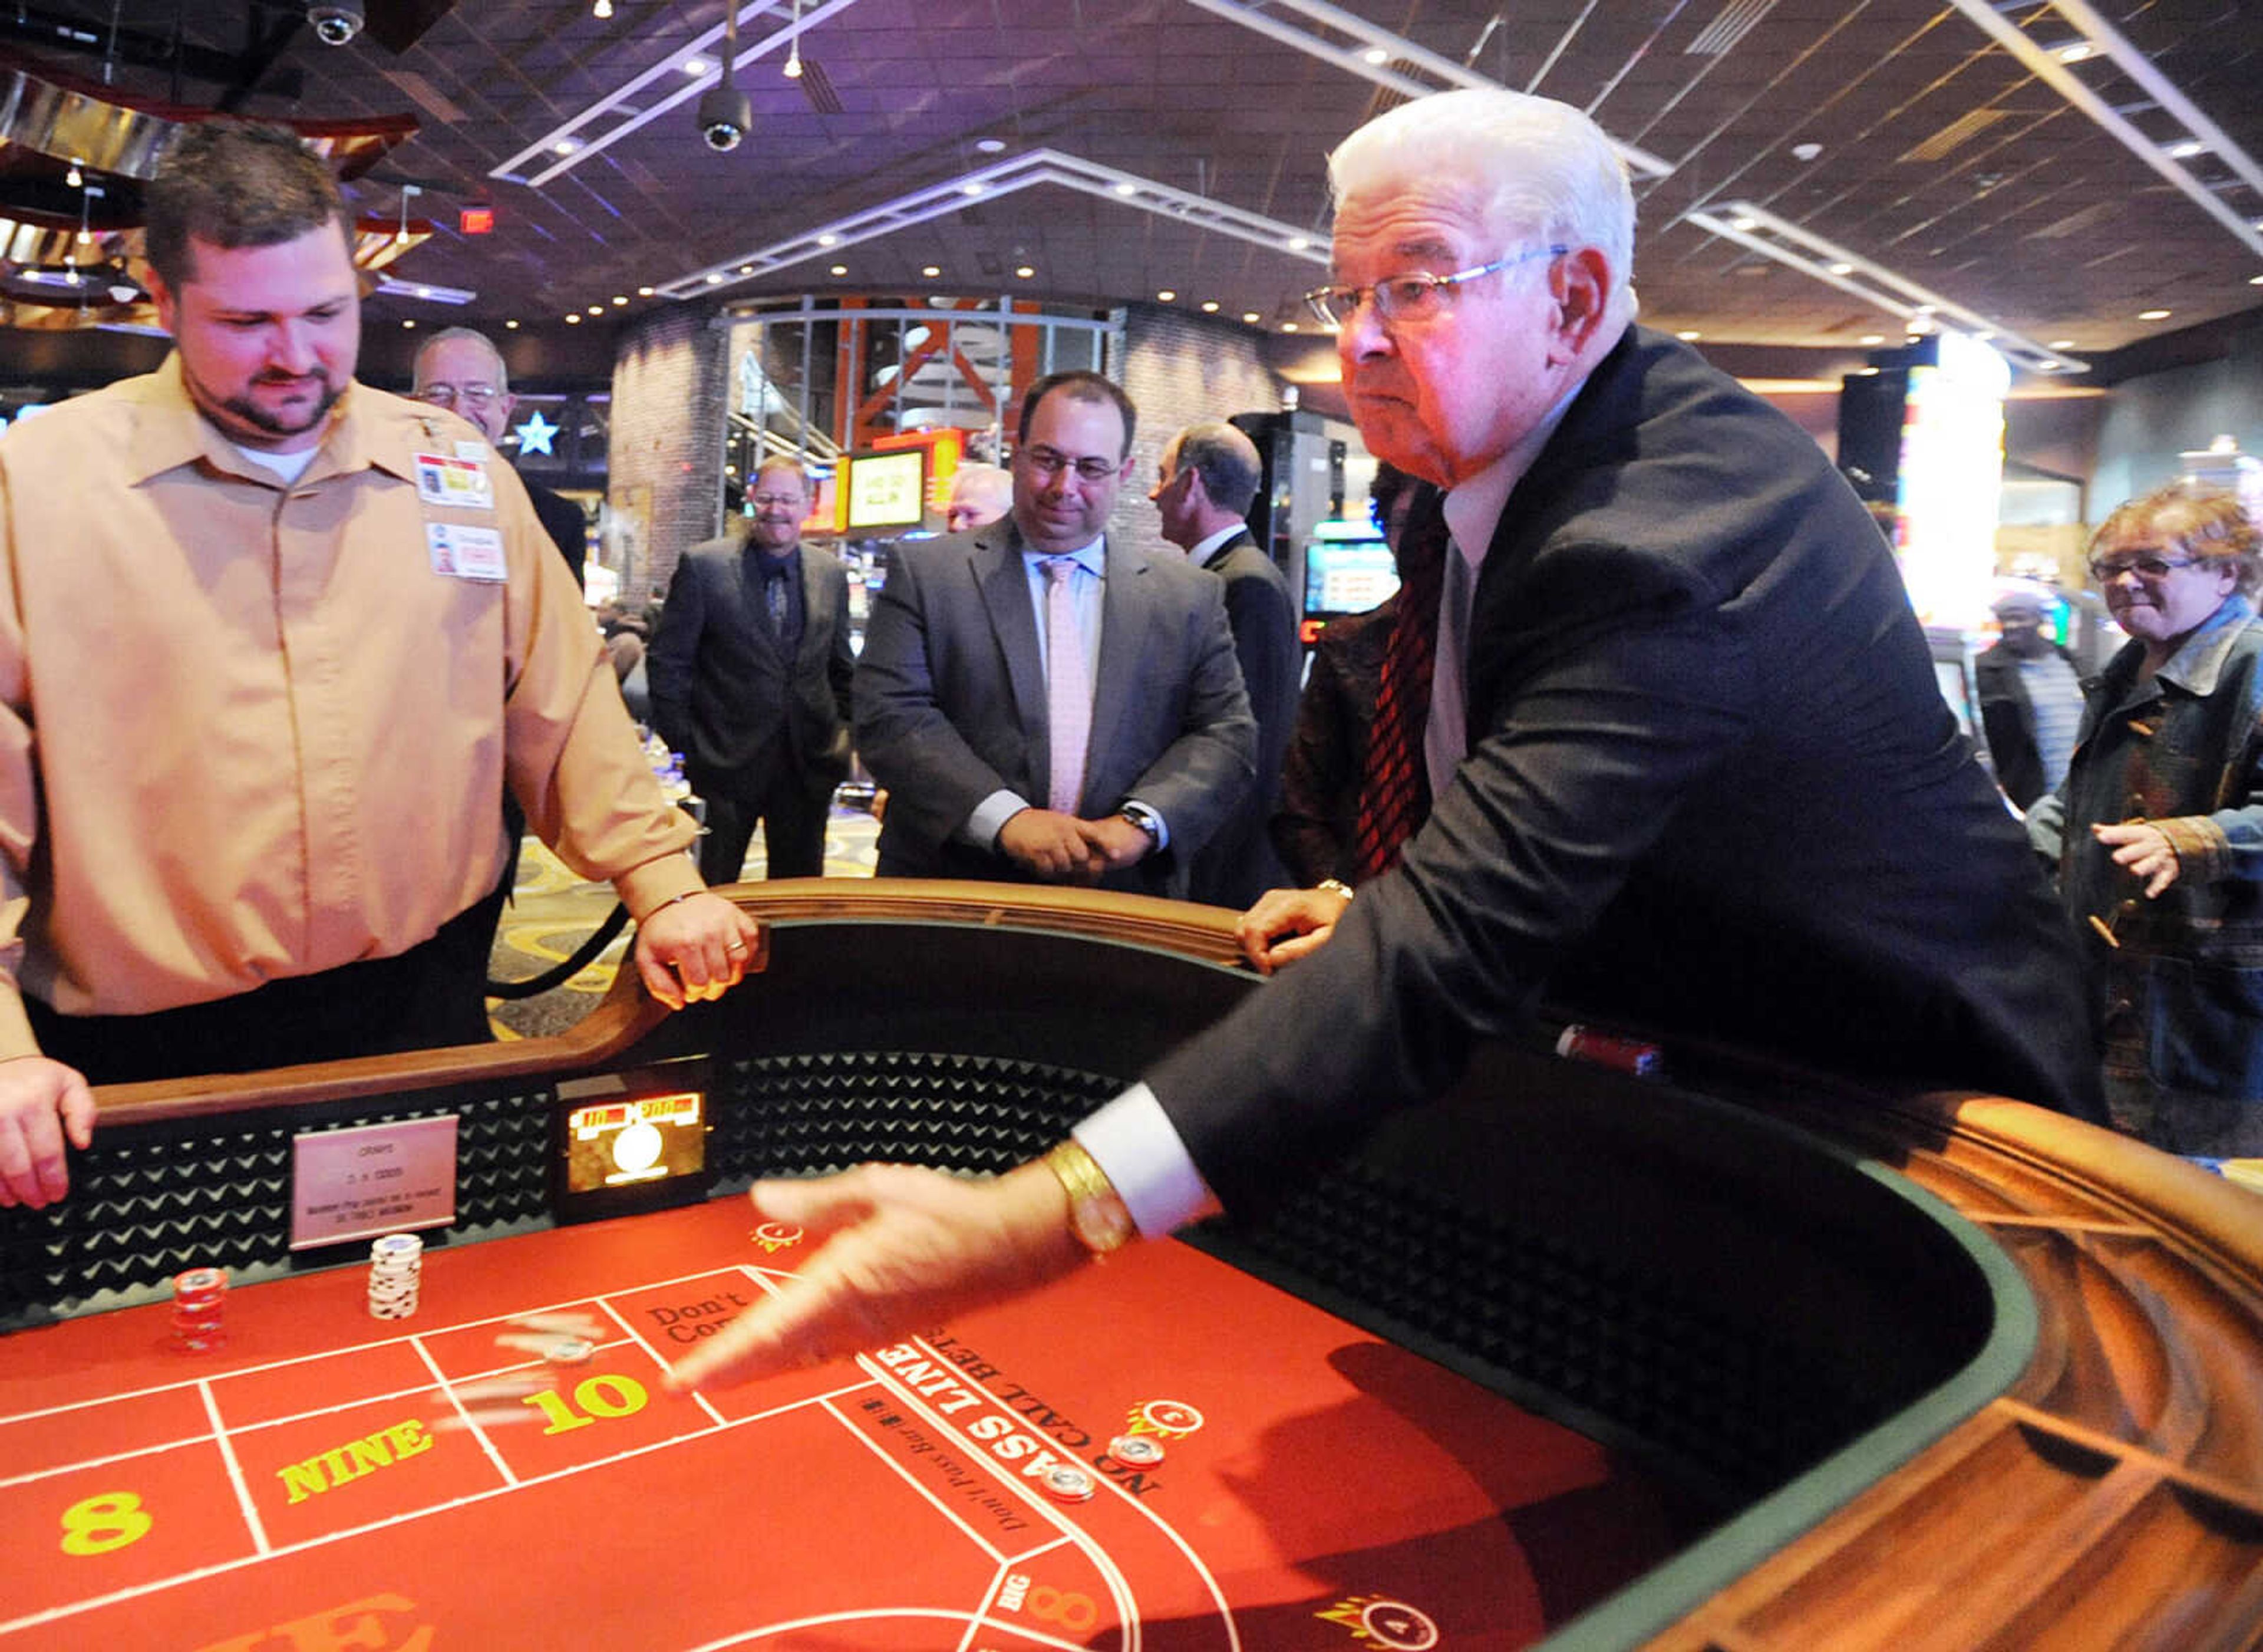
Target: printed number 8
100 1524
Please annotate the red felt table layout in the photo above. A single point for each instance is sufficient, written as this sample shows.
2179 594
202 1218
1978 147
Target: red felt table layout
318 1483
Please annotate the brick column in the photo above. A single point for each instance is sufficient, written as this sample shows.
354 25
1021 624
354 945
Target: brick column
665 491
1181 369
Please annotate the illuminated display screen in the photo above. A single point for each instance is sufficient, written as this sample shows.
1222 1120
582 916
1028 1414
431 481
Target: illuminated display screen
887 490
1348 575
636 1140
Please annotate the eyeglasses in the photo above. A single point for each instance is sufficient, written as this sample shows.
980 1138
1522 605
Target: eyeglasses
1410 298
773 501
480 395
1046 464
2107 569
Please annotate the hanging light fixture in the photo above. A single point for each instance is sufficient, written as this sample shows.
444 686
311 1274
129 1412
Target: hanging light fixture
793 46
400 235
725 112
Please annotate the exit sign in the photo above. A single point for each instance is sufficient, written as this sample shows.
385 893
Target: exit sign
475 220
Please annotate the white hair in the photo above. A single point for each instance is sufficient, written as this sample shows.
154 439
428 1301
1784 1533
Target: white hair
450 335
1533 165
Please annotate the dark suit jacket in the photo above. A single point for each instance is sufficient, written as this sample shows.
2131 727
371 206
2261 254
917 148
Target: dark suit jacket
1315 825
563 521
1238 865
1713 790
951 703
724 694
2007 719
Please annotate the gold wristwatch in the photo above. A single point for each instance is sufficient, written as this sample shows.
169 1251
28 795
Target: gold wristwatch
1097 1215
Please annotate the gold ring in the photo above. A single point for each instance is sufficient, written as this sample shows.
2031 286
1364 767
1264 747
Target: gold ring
736 946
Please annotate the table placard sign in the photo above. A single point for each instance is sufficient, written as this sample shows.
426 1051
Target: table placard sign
372 1179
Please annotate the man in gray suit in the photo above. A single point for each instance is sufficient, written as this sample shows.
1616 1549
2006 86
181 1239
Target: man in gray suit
1205 482
749 676
1042 703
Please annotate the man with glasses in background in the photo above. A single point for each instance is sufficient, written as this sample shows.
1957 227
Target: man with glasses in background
462 371
750 677
1657 737
1041 703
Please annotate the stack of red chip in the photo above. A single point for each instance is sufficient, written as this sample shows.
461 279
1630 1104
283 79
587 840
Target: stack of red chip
200 1298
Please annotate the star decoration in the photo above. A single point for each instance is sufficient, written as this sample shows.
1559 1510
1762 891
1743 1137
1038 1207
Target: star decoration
534 435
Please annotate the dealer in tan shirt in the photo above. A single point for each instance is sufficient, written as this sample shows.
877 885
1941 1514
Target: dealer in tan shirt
271 645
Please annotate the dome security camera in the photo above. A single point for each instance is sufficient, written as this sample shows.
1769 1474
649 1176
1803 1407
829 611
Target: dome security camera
725 117
335 21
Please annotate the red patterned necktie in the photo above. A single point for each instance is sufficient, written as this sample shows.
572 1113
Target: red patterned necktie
1394 790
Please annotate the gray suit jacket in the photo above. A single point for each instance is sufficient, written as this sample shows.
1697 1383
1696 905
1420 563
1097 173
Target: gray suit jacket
950 704
723 692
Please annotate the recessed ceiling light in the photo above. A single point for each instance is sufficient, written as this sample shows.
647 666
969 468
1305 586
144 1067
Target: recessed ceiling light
931 270
826 240
2255 280
746 269
2187 149
1250 316
512 324
1375 55
696 66
2079 52
1872 339
1690 336
409 321
840 269
2153 315
644 292
574 320
970 189
620 298
1743 221
1805 151
1024 270
1288 327
989 146
1166 294
1841 269
596 309
1297 243
565 145
2062 343
1922 309
1127 189
713 276
1209 307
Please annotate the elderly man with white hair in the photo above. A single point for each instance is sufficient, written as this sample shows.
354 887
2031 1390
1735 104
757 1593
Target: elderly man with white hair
1662 740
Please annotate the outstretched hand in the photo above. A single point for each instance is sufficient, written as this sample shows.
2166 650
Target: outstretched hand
40 1102
902 1251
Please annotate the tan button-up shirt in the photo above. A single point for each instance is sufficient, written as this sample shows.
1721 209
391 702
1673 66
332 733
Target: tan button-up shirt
252 730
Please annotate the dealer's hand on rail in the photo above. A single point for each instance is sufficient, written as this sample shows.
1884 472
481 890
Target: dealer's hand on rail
697 948
40 1102
903 1251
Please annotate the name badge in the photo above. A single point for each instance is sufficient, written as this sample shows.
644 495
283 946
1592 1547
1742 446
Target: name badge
460 483
463 553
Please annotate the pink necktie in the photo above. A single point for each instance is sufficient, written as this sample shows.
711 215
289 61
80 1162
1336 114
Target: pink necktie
1068 688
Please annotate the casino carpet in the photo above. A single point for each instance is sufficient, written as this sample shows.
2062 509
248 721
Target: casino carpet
552 912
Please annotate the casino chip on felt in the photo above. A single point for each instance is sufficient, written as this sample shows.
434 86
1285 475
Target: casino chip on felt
200 1303
562 1339
396 1268
1141 1450
1066 1482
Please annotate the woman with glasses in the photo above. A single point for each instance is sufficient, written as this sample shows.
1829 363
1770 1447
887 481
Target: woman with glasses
2158 829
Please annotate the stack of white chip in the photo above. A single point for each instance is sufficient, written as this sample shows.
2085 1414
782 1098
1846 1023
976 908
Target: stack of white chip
396 1263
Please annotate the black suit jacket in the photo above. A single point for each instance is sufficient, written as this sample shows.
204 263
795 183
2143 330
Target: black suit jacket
1713 789
950 704
1239 863
563 521
723 692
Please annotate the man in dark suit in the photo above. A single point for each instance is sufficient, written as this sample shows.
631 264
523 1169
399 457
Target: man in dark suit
1687 762
1205 482
1041 704
749 676
462 371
